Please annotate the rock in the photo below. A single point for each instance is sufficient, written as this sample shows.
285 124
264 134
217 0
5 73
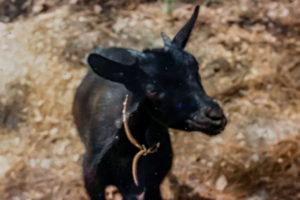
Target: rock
219 65
4 166
45 163
261 195
221 183
97 9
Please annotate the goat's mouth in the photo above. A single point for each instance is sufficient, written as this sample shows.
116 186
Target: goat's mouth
210 128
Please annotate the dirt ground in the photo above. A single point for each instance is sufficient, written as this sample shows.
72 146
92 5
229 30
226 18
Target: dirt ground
250 55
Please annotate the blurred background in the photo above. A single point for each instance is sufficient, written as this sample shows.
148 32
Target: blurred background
250 55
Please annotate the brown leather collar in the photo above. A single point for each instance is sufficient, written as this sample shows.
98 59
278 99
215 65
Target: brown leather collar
143 151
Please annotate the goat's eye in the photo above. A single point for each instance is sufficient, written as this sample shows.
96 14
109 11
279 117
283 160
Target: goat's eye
150 90
151 93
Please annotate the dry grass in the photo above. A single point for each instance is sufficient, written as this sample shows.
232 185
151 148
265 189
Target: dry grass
250 65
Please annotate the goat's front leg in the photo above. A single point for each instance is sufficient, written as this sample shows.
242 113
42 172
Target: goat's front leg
130 198
93 186
152 193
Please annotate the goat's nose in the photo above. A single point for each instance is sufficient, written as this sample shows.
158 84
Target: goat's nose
214 113
216 116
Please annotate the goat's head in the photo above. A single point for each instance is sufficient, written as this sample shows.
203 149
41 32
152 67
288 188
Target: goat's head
168 79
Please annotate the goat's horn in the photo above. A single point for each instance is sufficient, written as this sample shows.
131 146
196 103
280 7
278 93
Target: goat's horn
183 34
167 40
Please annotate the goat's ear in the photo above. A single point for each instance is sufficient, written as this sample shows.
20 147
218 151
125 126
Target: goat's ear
183 34
110 69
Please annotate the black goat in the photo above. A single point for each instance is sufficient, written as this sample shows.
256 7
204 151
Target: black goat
164 90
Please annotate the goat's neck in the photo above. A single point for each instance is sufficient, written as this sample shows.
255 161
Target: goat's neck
143 126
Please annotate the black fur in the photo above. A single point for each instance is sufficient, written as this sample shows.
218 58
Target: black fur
164 91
